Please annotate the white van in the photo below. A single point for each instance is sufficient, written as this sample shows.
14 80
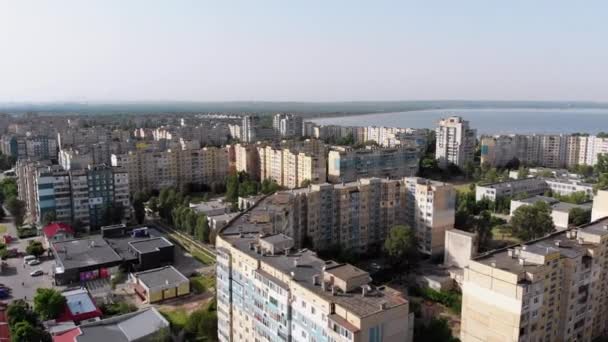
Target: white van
28 258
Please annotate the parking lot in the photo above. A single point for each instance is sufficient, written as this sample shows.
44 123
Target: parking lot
17 275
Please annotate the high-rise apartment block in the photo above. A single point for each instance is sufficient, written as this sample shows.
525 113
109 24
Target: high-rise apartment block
287 125
549 150
270 290
291 167
31 146
455 142
77 195
551 289
154 170
248 129
346 164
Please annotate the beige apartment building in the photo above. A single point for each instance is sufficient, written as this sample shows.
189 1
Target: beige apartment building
551 289
548 150
455 142
269 290
290 167
154 170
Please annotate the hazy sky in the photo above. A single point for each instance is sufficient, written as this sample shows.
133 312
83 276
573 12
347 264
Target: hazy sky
303 50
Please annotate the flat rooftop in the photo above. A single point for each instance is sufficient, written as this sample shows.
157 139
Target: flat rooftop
554 242
161 277
85 252
245 230
150 244
79 301
121 244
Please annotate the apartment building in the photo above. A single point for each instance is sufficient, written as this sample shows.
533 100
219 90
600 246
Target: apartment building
600 205
82 195
29 146
269 290
358 215
455 142
153 170
550 289
292 166
247 159
346 164
430 210
248 129
287 125
550 150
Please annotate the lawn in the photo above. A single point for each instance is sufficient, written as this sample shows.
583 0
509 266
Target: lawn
177 318
506 237
465 187
202 283
2 229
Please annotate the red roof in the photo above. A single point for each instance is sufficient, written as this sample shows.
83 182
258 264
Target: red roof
51 229
67 336
5 334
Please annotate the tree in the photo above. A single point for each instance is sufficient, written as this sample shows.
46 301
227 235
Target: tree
483 228
2 213
232 188
19 311
523 172
25 331
48 303
34 248
17 209
202 228
49 217
189 221
602 163
532 221
139 210
113 213
153 204
401 246
579 216
436 330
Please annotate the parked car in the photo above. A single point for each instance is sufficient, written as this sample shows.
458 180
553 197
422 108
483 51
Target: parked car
3 294
28 258
37 273
33 262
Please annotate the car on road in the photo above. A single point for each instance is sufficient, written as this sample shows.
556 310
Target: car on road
33 262
37 273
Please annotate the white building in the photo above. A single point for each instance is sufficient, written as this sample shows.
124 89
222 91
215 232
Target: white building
455 142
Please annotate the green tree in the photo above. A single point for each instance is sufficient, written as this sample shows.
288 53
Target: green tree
48 303
483 228
189 220
24 331
19 311
49 217
602 163
523 172
34 248
532 221
153 204
17 209
436 330
232 188
579 216
401 247
139 210
2 213
202 228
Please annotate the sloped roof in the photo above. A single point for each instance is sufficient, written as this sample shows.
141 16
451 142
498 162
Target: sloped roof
51 229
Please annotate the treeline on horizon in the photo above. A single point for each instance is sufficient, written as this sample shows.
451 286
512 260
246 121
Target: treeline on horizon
306 109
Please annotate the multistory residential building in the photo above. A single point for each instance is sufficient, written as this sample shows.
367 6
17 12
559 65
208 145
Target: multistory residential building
32 146
548 150
287 125
600 205
82 195
290 165
430 210
268 290
247 159
248 129
153 170
346 164
455 142
550 289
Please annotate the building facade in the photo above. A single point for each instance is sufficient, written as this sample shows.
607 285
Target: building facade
455 142
345 164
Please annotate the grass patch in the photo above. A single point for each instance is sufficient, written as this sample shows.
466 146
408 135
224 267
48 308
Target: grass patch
464 188
197 254
451 299
498 235
202 283
202 257
177 318
2 229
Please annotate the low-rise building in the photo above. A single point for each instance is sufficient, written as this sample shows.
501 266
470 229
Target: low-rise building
560 211
79 307
159 284
512 188
57 231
